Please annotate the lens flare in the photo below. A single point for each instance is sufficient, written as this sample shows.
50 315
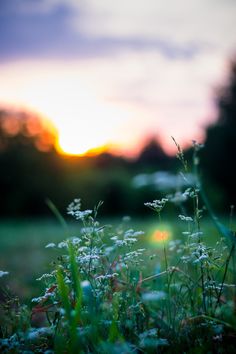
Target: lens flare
160 235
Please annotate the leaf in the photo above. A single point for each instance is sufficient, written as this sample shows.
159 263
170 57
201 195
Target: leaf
57 214
64 293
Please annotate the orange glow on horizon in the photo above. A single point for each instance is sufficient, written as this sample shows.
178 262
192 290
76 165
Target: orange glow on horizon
87 117
72 150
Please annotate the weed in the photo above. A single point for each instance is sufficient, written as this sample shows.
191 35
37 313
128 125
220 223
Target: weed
101 295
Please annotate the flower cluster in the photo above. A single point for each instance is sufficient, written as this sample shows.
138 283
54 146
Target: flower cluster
74 210
157 205
2 273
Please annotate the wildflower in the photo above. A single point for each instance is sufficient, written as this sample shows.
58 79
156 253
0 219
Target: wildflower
74 206
186 218
2 273
177 198
45 276
106 276
157 205
75 240
82 215
197 146
132 233
62 244
50 245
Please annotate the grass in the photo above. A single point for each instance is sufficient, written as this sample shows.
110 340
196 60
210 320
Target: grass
115 289
23 254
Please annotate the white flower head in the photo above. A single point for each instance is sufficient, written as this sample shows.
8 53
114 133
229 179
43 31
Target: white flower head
50 245
2 273
82 215
74 206
157 205
186 218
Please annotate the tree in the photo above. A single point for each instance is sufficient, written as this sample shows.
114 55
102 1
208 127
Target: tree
28 162
153 156
219 155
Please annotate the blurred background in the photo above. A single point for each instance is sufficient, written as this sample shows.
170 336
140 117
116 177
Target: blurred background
91 93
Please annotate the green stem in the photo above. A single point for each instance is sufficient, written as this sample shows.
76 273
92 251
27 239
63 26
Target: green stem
224 276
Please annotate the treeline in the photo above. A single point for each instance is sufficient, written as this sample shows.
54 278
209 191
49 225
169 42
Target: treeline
31 170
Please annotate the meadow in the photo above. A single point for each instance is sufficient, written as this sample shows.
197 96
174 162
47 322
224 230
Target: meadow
145 285
23 253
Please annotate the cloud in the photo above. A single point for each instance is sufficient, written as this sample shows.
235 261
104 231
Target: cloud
152 94
48 29
156 60
72 28
208 22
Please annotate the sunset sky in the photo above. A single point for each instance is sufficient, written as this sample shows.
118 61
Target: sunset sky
114 73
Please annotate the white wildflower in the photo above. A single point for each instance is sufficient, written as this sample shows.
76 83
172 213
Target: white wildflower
45 276
186 218
108 250
197 146
107 276
177 198
2 273
114 238
196 234
75 240
50 245
82 215
74 206
120 243
86 230
132 233
157 205
62 244
130 256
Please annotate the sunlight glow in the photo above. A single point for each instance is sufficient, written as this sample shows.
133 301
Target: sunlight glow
160 235
83 122
86 121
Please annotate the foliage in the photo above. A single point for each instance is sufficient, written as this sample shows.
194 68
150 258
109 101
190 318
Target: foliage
221 137
102 296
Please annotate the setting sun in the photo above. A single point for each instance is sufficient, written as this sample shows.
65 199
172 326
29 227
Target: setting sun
85 121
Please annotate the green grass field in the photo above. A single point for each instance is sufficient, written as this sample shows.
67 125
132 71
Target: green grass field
108 288
23 253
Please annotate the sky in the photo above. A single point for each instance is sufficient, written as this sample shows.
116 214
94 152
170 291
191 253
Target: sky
115 73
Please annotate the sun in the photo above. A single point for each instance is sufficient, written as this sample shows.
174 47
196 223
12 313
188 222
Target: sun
85 121
84 126
80 141
86 117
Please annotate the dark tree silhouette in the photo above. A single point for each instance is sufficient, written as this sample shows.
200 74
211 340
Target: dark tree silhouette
219 155
153 156
28 162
